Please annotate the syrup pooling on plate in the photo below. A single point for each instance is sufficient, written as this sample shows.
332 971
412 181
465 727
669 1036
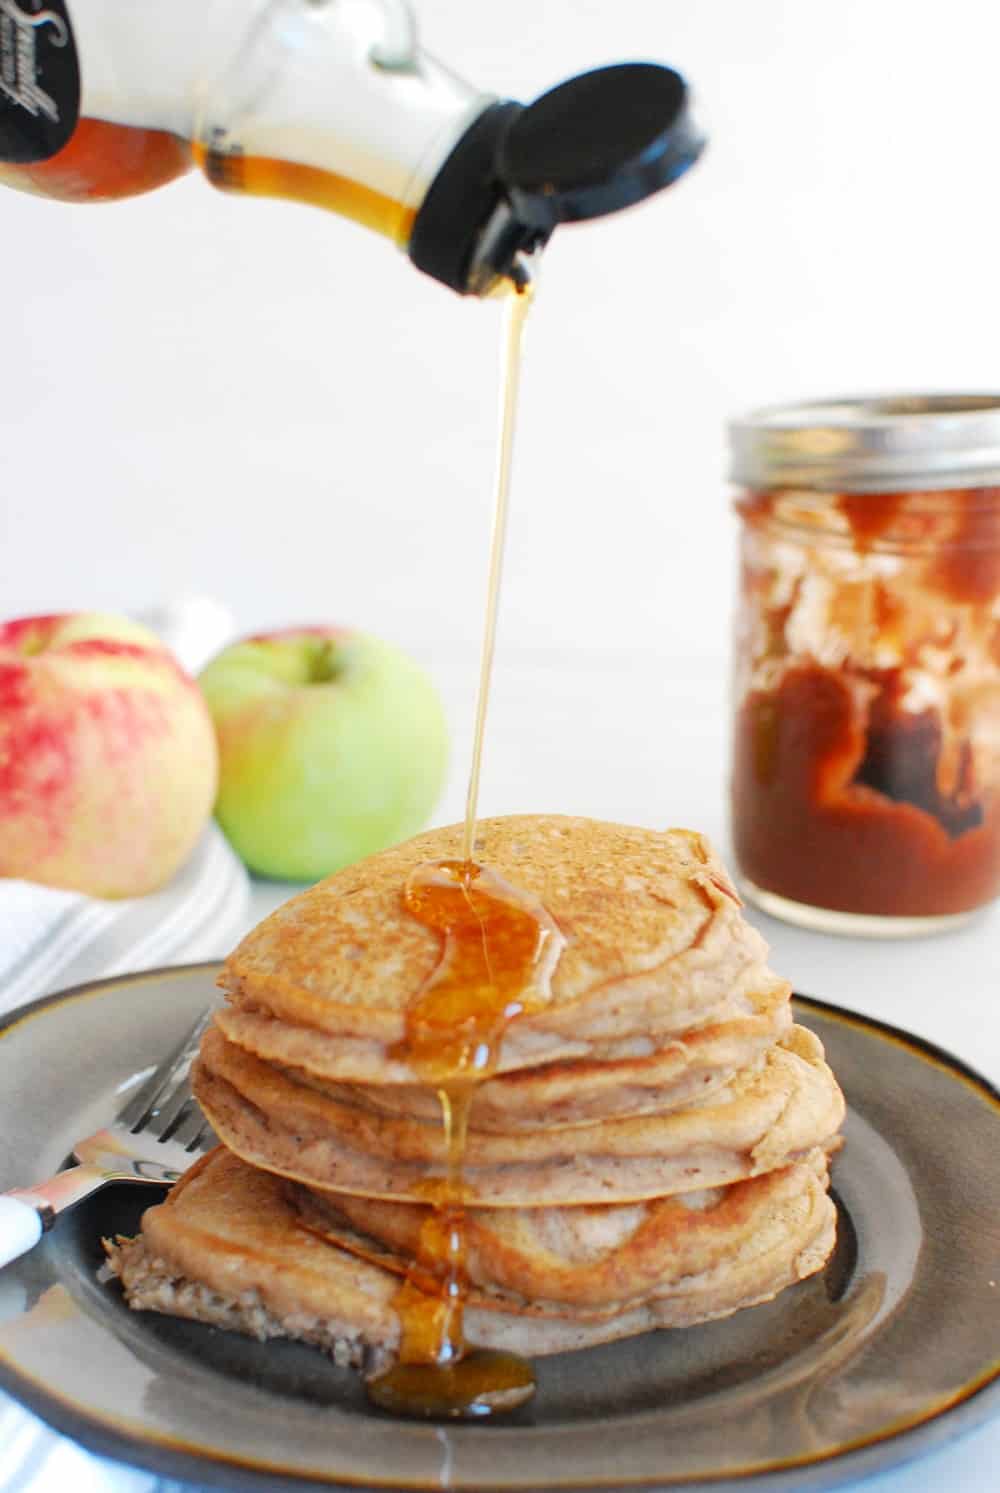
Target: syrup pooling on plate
499 947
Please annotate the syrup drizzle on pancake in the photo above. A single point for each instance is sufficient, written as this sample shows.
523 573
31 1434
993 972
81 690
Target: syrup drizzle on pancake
499 947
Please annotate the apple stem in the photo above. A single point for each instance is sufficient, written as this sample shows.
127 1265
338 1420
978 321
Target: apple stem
324 664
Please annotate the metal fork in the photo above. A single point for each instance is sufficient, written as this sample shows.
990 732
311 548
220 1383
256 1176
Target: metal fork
155 1137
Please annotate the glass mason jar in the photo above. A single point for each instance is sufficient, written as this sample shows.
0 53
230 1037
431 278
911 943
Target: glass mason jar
866 743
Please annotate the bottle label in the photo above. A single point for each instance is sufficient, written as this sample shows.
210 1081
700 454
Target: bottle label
39 79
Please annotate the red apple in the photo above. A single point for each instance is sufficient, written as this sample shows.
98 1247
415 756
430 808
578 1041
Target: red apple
108 759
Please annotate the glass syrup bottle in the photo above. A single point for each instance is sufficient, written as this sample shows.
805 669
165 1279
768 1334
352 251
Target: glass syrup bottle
329 102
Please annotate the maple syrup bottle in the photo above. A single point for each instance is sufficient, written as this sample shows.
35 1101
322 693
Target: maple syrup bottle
329 102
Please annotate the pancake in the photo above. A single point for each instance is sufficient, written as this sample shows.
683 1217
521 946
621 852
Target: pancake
571 1092
761 1119
224 1248
655 945
228 1247
608 1258
649 1149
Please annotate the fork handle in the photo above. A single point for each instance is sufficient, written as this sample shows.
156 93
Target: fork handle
21 1227
26 1212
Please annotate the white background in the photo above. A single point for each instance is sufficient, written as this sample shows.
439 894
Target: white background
265 404
262 402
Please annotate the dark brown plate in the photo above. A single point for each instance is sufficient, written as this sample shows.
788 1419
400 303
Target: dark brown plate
894 1348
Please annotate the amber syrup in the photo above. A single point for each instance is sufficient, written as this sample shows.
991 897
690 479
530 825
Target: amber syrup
498 946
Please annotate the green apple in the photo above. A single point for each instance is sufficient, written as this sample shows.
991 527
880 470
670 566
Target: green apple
332 745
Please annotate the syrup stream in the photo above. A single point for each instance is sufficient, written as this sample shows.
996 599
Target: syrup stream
516 312
498 950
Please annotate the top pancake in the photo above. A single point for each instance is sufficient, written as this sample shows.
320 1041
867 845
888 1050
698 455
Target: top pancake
655 944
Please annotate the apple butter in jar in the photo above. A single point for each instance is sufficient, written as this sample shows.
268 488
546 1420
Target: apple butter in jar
866 745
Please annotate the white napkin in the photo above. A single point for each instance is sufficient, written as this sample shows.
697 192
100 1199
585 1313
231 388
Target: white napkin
51 939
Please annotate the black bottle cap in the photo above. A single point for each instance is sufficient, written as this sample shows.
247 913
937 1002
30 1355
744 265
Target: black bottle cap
598 143
460 201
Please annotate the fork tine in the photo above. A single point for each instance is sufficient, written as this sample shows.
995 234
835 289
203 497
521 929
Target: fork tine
173 1104
189 1127
165 1119
162 1084
204 1139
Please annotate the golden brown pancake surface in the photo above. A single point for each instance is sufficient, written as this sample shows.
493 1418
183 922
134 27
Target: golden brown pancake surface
655 944
600 1258
651 1149
760 1120
229 1247
573 1091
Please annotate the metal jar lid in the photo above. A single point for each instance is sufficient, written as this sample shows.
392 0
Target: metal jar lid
892 443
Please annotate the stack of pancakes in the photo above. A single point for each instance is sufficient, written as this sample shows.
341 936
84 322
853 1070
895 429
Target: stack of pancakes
651 1150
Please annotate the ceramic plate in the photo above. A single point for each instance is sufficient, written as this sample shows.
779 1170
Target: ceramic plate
891 1349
